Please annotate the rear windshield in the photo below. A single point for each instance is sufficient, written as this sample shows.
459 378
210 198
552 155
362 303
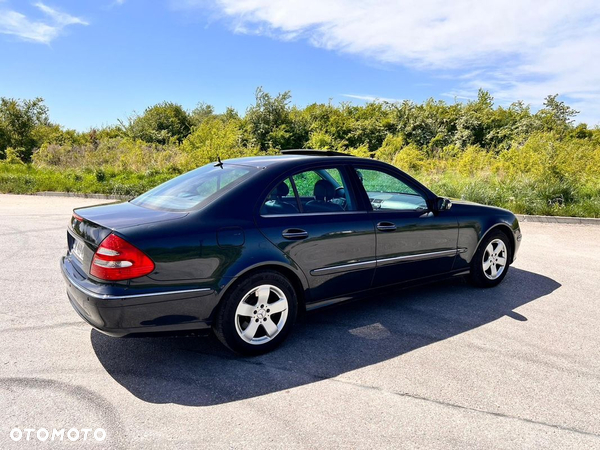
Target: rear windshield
194 189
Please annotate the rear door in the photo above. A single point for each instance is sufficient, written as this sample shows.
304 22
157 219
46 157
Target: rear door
335 247
412 241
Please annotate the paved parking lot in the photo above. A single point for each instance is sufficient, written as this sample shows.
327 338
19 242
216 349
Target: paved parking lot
438 366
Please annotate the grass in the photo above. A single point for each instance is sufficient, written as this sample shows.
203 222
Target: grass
522 195
26 179
519 194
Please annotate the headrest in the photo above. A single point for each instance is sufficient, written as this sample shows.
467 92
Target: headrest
324 190
282 190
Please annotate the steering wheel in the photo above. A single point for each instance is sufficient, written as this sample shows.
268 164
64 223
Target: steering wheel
340 200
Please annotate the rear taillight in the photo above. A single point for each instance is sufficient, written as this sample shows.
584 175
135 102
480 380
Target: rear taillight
116 259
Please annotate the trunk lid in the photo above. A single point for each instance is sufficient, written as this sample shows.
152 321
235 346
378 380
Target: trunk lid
118 216
91 225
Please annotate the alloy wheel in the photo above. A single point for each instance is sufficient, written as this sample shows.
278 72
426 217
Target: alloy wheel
261 314
494 259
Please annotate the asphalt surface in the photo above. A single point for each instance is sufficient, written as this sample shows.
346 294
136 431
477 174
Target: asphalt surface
437 366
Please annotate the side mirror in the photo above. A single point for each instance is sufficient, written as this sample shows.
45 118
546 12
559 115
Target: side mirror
443 204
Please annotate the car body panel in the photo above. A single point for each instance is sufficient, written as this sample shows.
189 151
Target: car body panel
120 312
422 245
121 215
337 257
475 221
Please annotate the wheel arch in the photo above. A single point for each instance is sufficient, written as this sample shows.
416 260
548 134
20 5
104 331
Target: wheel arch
299 284
507 230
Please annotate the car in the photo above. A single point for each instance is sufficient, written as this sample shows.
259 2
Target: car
243 246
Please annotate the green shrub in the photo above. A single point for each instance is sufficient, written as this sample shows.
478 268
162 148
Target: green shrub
510 157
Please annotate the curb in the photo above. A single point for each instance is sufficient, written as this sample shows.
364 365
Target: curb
559 219
74 194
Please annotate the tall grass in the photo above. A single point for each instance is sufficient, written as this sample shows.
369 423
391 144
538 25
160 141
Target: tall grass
542 175
27 179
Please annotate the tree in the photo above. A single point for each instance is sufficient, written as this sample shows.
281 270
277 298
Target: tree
19 120
556 115
163 123
201 112
269 123
215 137
475 121
429 124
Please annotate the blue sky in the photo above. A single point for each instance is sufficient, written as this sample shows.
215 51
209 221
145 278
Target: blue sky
98 61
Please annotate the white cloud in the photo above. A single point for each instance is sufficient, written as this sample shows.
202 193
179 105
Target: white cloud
372 98
43 31
114 4
519 49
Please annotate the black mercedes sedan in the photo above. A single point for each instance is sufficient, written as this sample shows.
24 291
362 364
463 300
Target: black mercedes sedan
244 245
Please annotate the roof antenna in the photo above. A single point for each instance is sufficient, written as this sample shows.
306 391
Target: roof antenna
219 163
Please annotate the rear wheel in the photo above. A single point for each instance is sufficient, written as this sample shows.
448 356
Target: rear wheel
257 314
491 261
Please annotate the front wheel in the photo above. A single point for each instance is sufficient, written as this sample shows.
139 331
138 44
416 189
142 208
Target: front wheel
491 260
257 314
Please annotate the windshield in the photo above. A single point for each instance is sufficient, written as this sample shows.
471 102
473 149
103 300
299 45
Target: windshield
194 189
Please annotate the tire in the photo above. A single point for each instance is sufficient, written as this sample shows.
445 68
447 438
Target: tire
246 324
487 269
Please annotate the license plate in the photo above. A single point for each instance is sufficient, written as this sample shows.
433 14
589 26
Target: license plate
77 249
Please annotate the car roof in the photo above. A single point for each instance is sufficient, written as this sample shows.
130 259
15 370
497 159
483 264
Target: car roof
292 158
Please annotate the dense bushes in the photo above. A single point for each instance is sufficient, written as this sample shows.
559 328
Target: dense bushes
529 162
164 123
542 176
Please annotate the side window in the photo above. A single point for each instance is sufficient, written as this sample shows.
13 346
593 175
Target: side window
324 190
281 200
305 183
387 192
319 191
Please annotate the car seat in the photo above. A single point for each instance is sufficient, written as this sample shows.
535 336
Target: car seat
324 191
276 204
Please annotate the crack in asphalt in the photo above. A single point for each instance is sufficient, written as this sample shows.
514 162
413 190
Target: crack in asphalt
406 395
95 402
43 327
471 409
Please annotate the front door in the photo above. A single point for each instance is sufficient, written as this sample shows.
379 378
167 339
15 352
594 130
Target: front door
412 241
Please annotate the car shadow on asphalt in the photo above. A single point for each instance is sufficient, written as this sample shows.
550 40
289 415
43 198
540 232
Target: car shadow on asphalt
198 371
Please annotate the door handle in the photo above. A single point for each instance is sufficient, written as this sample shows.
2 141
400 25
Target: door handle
294 234
386 226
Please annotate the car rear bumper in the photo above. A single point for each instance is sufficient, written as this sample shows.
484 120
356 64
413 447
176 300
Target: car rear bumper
119 313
